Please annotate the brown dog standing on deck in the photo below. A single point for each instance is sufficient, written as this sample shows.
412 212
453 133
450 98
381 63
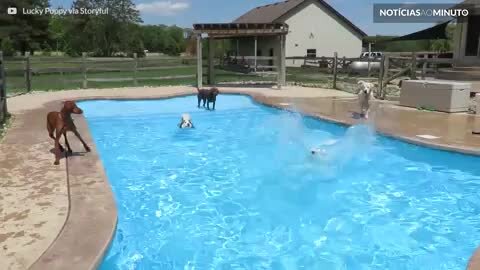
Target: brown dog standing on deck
207 95
60 123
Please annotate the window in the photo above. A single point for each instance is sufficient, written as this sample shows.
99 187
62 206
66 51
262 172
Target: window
312 53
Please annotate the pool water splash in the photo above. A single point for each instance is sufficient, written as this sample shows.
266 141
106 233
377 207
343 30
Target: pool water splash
243 191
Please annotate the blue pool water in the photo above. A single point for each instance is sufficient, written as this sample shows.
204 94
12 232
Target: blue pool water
242 191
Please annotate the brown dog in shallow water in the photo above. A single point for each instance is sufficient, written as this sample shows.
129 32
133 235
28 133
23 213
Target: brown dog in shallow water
60 123
207 95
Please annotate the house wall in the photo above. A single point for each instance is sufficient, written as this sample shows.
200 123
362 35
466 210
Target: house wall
312 27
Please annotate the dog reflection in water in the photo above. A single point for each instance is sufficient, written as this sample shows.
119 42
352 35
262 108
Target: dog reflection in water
186 121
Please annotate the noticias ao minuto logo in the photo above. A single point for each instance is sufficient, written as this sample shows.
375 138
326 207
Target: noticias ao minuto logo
417 13
405 12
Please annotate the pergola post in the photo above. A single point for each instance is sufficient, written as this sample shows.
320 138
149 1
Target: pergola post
211 52
281 65
199 61
237 31
284 60
255 55
238 48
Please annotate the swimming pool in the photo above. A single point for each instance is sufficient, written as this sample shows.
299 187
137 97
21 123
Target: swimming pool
242 191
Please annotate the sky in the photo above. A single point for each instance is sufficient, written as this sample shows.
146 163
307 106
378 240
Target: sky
185 13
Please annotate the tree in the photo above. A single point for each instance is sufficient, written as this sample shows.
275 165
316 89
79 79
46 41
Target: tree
7 47
176 33
25 31
191 46
166 39
57 31
103 34
132 41
153 37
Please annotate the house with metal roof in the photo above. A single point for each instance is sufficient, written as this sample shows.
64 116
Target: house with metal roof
315 29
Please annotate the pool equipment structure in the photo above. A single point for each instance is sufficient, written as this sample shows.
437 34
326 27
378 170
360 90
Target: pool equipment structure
433 95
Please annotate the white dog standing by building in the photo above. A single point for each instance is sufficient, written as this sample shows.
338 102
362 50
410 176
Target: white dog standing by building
365 94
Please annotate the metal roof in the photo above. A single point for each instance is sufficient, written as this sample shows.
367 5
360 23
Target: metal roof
435 32
268 13
273 12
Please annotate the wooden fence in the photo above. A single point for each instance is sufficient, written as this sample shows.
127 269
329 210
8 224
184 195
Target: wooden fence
250 63
390 67
328 62
3 91
393 67
35 73
334 65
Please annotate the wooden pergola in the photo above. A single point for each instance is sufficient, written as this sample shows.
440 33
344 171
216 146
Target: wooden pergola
213 31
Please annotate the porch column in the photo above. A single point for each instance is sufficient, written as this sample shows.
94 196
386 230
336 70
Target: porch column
478 51
458 37
463 38
255 55
238 48
199 61
281 66
211 51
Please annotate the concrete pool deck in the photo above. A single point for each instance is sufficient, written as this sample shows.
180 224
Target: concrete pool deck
63 217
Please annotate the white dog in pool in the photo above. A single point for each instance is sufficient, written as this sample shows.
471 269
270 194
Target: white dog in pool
186 121
365 93
322 148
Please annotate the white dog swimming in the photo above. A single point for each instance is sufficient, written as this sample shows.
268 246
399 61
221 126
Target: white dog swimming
365 93
322 148
186 121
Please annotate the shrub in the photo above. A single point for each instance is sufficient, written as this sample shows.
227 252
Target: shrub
7 47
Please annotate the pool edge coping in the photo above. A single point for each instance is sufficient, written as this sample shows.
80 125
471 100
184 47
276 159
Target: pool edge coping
65 251
49 254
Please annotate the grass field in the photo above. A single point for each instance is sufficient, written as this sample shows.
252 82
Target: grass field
58 73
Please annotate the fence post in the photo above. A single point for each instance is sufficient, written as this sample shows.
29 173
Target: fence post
305 61
135 66
413 74
200 62
28 72
84 69
3 89
344 63
424 70
335 63
369 67
386 67
380 77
